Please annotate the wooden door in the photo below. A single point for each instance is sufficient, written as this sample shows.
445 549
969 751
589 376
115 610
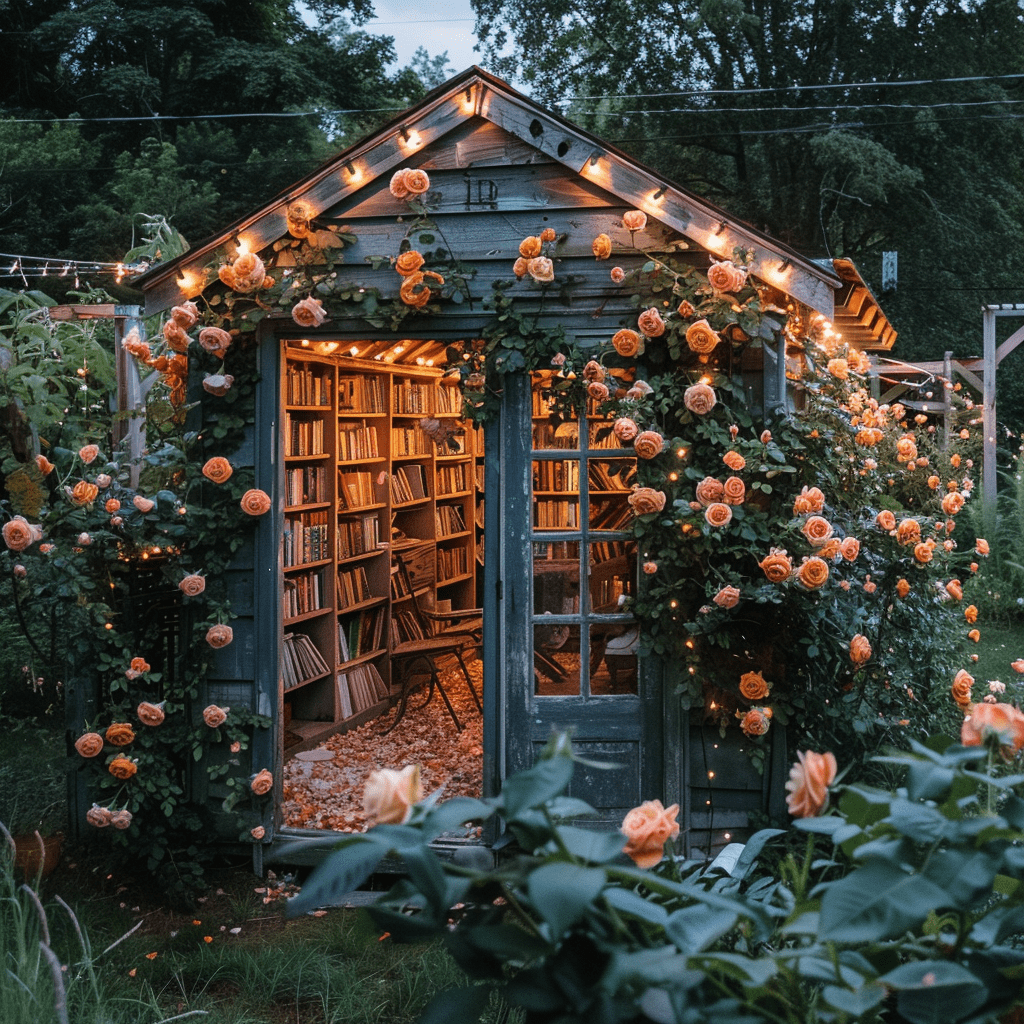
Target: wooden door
571 654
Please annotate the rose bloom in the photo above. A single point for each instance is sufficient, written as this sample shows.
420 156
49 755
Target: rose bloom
618 275
634 220
627 343
701 338
955 589
20 572
776 566
139 665
120 734
974 635
530 247
728 597
309 312
122 768
830 549
886 520
647 829
839 368
214 716
850 548
548 235
89 453
598 391
870 586
933 482
902 587
409 262
809 779
217 469
219 635
1018 665
192 585
810 499
150 714
640 389
121 819
718 514
397 185
98 816
817 530
952 502
922 553
648 444
541 269
416 181
755 722
186 315
594 371
625 429
734 461
961 688
44 465
249 272
860 649
143 504
111 505
726 276
388 795
981 546
908 532
643 500
84 493
971 614
255 502
89 744
258 832
813 572
1002 721
18 533
753 686
651 323
175 336
734 491
995 686
262 782
700 399
650 568
710 490
602 247
520 266
215 341
218 383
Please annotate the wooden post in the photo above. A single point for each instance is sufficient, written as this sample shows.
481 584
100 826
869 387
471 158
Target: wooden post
130 421
947 400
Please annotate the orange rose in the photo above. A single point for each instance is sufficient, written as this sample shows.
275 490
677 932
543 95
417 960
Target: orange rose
734 461
120 734
597 391
902 587
175 336
734 491
389 796
650 568
594 371
18 533
84 493
971 614
89 744
955 590
214 716
685 309
776 566
248 272
122 768
839 368
634 220
850 548
1018 665
952 502
44 465
923 553
530 247
647 829
974 635
700 399
150 714
726 276
519 267
906 449
625 429
643 500
255 502
143 504
139 665
650 323
753 686
701 338
908 532
98 816
817 530
397 186
309 312
548 235
886 520
186 315
755 722
541 269
813 572
192 585
728 597
111 505
415 291
961 688
89 453
718 514
416 181
409 262
1002 721
982 546
217 469
618 275
215 341
933 482
219 636
810 499
649 444
860 649
627 343
602 247
121 819
809 779
830 549
262 782
710 490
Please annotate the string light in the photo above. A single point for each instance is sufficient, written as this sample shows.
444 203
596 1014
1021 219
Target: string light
39 266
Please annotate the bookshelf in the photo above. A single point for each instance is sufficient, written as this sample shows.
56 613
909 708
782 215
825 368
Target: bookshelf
362 480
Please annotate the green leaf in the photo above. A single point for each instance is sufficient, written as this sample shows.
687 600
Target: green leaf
935 991
855 1002
340 873
533 787
457 1004
628 902
694 928
588 845
563 893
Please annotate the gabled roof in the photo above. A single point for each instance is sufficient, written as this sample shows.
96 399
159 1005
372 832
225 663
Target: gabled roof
477 94
859 317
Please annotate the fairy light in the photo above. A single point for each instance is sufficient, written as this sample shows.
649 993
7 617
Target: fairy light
242 245
354 350
711 775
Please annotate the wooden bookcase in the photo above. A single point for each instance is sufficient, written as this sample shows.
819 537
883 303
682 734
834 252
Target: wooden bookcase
362 480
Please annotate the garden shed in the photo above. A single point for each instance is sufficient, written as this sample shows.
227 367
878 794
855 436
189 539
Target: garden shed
450 507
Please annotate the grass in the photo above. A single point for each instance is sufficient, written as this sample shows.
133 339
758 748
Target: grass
1000 644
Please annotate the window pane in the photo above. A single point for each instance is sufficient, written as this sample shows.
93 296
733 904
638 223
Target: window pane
616 476
613 651
556 660
612 575
556 578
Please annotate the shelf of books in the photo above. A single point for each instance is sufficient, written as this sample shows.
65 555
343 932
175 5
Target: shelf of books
364 480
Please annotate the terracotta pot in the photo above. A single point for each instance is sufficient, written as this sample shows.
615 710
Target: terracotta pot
28 855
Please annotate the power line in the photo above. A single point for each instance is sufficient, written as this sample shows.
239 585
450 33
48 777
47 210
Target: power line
797 110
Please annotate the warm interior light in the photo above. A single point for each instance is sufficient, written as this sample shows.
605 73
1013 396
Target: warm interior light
242 245
187 282
304 343
354 350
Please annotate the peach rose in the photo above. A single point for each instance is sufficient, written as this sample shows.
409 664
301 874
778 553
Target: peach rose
908 532
248 272
974 636
1018 665
602 247
215 341
700 399
594 371
647 829
84 493
952 502
597 391
255 502
963 681
718 514
409 262
144 505
734 461
640 388
839 368
389 795
214 716
150 714
710 490
111 505
902 587
520 266
923 553
217 469
755 722
218 383
650 568
89 453
135 346
734 491
541 269
122 768
817 530
548 235
860 649
685 309
192 585
810 499
258 832
643 500
981 546
649 444
89 744
627 343
530 247
186 315
1002 721
886 520
850 548
651 323
776 566
120 734
262 782
753 686
219 635
813 572
397 186
18 533
44 465
121 819
728 597
175 336
618 275
20 572
97 816
702 338
309 312
971 614
955 590
808 783
416 181
625 429
726 276
634 220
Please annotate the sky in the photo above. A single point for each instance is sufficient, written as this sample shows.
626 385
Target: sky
436 27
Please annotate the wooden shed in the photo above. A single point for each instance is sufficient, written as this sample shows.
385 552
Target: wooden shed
386 503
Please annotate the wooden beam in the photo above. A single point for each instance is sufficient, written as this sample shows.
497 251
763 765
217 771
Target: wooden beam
1009 345
97 312
988 419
